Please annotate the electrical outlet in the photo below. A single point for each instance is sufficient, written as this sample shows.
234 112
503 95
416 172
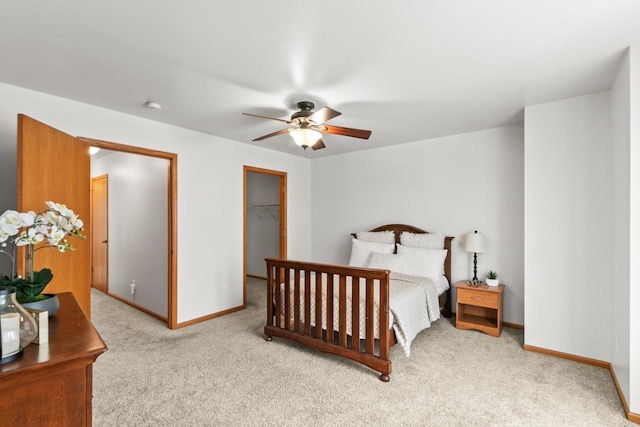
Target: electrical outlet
133 287
224 290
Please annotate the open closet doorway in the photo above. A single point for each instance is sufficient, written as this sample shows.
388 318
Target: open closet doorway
265 220
133 229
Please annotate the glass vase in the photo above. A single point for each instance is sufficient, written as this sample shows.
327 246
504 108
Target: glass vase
17 327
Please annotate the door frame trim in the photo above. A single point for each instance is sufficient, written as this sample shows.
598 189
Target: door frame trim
172 225
282 191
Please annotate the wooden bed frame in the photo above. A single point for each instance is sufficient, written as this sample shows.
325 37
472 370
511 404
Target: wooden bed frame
284 324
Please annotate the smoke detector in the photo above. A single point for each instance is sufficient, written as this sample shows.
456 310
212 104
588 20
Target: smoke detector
153 106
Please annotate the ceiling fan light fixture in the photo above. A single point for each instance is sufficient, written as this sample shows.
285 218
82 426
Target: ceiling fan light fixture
305 137
307 126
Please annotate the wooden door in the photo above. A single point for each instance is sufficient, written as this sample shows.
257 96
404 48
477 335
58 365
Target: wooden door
55 166
100 233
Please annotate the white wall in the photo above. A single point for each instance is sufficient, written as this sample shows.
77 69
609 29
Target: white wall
137 227
568 226
8 149
452 185
7 188
620 313
634 231
210 188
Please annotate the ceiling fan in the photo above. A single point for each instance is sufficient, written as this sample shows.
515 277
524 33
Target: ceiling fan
308 126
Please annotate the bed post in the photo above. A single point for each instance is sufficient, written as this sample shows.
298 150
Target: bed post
386 334
446 312
270 282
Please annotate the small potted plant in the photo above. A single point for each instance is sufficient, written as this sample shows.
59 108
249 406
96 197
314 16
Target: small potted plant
492 278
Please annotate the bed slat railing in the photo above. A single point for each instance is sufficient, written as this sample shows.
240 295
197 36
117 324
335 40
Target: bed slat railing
290 282
329 336
296 299
342 330
318 303
370 343
287 299
355 312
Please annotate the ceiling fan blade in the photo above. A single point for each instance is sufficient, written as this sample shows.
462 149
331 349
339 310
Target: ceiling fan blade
265 117
323 114
318 145
272 134
356 133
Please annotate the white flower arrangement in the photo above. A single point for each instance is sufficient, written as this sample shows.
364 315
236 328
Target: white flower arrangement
53 224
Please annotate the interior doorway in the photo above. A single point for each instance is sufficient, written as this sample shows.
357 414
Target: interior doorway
265 220
168 162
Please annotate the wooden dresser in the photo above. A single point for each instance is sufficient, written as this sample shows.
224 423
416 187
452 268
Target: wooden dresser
51 384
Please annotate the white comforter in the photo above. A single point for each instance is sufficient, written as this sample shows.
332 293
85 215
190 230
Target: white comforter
413 302
413 305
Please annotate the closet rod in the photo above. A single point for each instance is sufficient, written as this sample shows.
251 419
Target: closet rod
264 206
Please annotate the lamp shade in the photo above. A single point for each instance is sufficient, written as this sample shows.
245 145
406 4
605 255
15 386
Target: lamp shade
475 242
305 137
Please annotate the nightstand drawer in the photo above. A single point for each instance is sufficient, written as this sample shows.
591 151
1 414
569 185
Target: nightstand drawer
478 298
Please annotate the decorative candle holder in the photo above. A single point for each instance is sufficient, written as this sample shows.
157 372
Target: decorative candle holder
17 327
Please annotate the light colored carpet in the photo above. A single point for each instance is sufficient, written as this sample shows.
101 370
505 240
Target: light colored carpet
222 372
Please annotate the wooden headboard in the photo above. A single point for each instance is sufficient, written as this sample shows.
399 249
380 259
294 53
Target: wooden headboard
399 228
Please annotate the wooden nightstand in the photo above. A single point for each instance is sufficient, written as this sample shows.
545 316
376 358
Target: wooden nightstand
479 307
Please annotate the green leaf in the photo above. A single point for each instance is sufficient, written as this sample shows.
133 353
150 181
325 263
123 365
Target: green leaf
43 276
29 290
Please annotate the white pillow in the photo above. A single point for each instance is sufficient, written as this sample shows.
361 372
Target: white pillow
377 236
395 263
412 264
360 251
428 262
422 240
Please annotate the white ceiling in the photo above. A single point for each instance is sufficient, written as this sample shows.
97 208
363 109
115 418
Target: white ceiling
407 70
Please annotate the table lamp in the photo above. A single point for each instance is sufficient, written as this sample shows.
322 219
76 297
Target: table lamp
475 243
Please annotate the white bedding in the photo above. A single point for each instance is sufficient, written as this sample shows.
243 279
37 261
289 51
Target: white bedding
442 284
413 301
413 305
